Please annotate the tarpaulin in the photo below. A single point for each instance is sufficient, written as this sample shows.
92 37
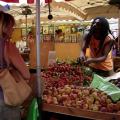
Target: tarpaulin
17 1
11 1
48 1
68 0
30 1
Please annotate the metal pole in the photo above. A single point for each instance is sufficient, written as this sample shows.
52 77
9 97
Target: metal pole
119 31
49 8
39 82
26 29
26 26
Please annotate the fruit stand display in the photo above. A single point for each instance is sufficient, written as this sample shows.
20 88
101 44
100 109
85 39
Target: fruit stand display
67 91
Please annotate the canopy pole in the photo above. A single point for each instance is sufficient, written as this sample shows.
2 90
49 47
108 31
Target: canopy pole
38 67
26 26
39 85
119 31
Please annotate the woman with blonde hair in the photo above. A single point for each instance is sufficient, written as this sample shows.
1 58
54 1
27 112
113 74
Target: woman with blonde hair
9 55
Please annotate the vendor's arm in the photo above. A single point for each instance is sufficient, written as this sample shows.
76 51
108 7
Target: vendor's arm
84 47
104 54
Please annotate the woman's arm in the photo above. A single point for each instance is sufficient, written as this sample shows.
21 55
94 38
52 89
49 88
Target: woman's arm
84 47
17 61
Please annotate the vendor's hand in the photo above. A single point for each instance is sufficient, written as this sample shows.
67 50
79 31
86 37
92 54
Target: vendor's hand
80 60
82 57
88 61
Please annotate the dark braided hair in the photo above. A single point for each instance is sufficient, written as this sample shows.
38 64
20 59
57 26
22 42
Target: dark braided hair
104 30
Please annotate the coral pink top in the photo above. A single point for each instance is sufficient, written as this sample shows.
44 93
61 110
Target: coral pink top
107 65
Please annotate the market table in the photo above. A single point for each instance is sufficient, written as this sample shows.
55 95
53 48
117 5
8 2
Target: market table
80 113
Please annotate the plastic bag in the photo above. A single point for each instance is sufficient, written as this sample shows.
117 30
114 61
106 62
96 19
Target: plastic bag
107 87
33 112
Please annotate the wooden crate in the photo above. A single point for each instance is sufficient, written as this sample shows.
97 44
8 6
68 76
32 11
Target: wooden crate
80 113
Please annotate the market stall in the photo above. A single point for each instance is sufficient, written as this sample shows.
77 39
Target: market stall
66 80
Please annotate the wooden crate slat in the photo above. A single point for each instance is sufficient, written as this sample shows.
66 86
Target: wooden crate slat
80 113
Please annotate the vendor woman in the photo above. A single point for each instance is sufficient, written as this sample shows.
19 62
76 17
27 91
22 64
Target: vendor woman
100 41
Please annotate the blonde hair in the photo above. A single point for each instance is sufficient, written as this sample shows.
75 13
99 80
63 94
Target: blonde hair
6 21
